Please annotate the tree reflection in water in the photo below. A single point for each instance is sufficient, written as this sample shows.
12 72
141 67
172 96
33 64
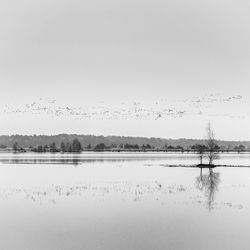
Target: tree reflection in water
209 184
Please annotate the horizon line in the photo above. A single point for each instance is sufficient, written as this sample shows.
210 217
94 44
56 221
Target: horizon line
128 136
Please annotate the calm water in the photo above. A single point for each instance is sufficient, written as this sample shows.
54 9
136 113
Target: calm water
122 201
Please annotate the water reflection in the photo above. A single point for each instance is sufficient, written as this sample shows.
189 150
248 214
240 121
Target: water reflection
168 190
67 161
209 184
76 159
90 207
57 161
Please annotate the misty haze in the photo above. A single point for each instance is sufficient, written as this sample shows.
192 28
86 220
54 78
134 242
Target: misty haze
124 125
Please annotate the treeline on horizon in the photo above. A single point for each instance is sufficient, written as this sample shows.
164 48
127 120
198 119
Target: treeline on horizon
77 143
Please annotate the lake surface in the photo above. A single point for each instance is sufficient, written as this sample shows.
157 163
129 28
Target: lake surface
123 201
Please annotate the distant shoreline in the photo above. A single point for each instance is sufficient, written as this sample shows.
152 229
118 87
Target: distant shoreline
113 143
122 151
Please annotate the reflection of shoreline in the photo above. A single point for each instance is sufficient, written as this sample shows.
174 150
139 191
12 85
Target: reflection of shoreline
78 161
62 161
74 161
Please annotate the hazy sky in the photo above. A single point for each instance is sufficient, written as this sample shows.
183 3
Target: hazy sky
150 68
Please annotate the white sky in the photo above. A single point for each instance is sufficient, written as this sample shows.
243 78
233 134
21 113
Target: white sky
142 68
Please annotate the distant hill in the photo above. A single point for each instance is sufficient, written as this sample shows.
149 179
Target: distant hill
26 141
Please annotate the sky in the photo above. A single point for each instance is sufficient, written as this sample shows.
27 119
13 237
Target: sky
162 68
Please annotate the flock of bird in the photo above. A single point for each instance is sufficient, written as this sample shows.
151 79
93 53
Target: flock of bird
130 110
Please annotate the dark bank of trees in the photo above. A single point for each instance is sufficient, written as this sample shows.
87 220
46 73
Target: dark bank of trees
78 143
127 146
89 142
174 148
17 148
100 147
26 141
74 146
240 148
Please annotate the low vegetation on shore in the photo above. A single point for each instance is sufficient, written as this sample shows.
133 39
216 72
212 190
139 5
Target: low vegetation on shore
78 143
76 146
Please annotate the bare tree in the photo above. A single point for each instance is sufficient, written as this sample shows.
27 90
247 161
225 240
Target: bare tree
212 147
